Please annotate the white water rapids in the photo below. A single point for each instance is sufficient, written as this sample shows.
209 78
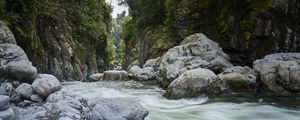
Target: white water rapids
201 108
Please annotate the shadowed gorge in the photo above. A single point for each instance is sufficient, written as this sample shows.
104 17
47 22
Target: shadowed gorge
149 60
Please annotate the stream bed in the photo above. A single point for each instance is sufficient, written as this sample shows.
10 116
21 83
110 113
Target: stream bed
239 107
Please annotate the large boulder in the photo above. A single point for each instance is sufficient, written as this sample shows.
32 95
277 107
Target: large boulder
59 106
195 51
4 102
191 83
279 73
236 79
8 114
25 90
115 75
46 84
15 64
6 36
118 109
96 77
142 74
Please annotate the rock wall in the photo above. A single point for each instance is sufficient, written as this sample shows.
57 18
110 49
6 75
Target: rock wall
61 37
246 30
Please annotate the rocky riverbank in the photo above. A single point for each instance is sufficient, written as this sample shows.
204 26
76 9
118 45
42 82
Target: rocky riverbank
199 66
29 95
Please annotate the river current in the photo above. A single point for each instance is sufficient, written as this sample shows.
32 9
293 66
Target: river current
201 108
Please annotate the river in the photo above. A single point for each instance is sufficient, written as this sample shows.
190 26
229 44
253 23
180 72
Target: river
237 107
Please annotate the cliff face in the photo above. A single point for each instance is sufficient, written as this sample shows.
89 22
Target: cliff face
61 37
246 30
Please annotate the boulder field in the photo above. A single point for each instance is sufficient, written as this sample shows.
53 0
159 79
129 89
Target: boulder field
199 66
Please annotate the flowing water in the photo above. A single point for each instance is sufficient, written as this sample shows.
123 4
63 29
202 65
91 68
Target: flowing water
201 108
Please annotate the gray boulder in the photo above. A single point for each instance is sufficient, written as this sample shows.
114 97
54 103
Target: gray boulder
15 64
195 51
154 63
236 79
25 90
118 109
6 89
46 84
66 105
279 73
142 74
7 114
36 98
33 113
6 36
4 102
115 75
191 83
96 77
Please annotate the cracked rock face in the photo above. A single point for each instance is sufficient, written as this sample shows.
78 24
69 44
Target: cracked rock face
6 36
279 73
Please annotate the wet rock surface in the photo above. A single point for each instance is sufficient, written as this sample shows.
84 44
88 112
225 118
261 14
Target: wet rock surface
279 73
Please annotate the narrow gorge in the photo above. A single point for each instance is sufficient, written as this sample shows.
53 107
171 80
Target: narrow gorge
149 60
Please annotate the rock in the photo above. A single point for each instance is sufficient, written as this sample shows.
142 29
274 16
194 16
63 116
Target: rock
4 102
25 103
96 77
195 51
154 63
142 74
235 79
279 73
115 75
6 36
66 105
8 114
36 98
118 109
15 97
46 84
6 89
191 83
135 62
25 90
15 64
32 113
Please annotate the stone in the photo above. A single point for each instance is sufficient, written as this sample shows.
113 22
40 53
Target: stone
118 109
6 89
236 79
6 36
25 90
68 106
46 84
195 51
15 64
154 63
33 113
4 102
191 83
142 74
96 77
8 114
36 98
279 73
115 75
